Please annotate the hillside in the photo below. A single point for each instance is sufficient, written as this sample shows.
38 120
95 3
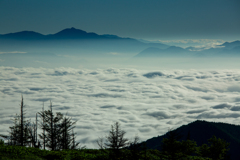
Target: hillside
201 131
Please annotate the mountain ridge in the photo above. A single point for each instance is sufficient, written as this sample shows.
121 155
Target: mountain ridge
68 33
73 41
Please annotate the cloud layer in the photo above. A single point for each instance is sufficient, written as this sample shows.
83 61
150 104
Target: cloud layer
145 102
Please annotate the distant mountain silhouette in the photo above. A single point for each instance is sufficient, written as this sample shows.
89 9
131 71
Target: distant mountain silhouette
73 33
157 52
201 131
228 49
76 41
72 40
24 35
230 45
69 33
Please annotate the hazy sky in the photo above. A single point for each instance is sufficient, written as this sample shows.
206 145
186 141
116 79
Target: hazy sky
147 19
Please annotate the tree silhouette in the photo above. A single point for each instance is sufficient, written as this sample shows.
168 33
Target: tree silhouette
58 131
19 132
173 149
216 150
67 136
33 133
52 128
115 140
135 148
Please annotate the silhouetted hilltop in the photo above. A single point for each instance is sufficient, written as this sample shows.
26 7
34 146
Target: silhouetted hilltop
201 131
73 33
24 35
69 33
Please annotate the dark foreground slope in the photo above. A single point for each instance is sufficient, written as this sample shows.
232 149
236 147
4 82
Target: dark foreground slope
201 131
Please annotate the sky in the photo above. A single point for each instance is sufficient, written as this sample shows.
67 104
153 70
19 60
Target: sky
148 98
142 19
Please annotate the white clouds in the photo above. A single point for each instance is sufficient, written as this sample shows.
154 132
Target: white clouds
199 44
113 53
203 41
12 52
146 103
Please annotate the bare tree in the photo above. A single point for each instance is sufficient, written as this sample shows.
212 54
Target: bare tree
19 132
33 133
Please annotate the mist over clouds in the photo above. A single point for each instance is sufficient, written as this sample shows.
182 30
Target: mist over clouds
145 102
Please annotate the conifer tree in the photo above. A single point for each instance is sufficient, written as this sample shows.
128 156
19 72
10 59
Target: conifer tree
52 128
66 138
216 149
57 130
173 148
114 141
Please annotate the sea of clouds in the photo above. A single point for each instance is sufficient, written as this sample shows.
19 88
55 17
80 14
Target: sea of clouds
145 102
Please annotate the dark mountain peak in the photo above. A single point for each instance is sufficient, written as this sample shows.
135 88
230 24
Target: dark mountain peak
73 33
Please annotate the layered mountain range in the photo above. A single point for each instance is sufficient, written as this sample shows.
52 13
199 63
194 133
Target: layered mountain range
227 49
72 40
77 41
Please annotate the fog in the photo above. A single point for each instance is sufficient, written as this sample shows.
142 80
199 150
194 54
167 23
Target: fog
113 59
147 97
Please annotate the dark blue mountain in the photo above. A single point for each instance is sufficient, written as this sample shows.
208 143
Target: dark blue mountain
24 35
72 40
73 33
69 33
